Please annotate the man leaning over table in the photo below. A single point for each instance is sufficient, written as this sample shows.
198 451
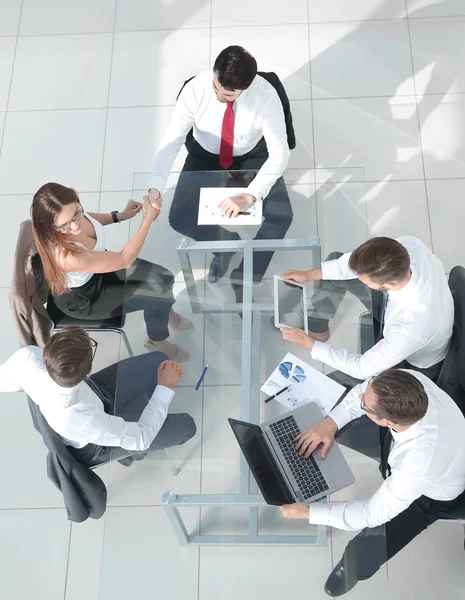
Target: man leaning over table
413 309
231 119
422 463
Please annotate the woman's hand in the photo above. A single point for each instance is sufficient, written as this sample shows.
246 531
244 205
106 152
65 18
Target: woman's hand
131 210
149 211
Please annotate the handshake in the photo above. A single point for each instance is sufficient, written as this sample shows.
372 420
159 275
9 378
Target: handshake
151 206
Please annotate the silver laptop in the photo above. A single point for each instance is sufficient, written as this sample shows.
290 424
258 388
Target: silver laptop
282 475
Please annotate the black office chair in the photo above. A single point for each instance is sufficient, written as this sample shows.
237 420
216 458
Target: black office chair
452 376
273 80
60 320
84 493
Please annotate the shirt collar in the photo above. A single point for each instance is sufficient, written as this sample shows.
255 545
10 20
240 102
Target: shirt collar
408 289
409 434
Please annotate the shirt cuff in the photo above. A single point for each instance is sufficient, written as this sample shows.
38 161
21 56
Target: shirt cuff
255 191
319 514
320 351
330 269
340 416
163 396
158 183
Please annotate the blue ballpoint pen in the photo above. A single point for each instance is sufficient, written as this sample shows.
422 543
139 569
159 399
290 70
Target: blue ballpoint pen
199 382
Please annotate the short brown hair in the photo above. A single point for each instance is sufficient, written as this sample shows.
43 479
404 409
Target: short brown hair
68 356
400 397
383 259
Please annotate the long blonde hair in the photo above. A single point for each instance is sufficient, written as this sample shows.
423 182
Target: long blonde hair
46 205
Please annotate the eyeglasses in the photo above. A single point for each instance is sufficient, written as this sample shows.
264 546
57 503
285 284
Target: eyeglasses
94 345
363 406
66 226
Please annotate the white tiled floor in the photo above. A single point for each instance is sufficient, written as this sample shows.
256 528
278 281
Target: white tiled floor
86 89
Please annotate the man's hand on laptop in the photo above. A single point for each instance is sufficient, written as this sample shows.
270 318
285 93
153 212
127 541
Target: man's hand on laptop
169 373
321 433
299 510
297 336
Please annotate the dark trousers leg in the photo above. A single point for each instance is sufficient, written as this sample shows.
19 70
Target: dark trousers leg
130 383
328 295
277 211
277 218
145 286
371 548
184 209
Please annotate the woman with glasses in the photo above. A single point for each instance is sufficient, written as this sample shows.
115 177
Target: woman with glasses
89 282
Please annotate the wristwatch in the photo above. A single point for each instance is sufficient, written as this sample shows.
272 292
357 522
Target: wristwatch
114 214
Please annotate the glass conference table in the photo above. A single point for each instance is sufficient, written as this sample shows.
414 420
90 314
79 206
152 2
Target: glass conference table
214 500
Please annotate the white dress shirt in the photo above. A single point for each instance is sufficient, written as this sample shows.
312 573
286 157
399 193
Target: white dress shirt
76 413
258 112
428 459
417 324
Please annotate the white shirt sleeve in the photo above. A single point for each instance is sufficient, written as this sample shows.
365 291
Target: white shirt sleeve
338 269
10 371
395 495
180 123
349 409
388 352
108 430
274 132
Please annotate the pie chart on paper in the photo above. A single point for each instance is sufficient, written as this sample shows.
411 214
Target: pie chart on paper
292 372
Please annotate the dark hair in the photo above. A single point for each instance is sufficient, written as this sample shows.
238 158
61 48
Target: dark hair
68 356
235 68
383 259
46 204
400 397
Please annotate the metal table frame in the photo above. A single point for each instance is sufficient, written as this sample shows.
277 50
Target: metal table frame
250 387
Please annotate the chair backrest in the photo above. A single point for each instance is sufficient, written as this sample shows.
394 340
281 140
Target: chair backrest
273 80
29 291
452 376
84 493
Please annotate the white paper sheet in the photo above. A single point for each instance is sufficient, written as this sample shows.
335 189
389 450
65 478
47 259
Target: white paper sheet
307 385
210 214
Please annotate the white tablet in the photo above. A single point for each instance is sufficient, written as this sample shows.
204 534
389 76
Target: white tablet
279 286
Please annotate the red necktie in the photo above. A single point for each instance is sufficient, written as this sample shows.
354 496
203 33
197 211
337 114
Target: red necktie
227 137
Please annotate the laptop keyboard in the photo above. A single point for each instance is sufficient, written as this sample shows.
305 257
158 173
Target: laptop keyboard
308 476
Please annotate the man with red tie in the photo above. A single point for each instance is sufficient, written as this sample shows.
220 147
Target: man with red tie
231 120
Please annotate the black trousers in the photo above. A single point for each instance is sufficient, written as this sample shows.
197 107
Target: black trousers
128 387
372 547
145 286
277 211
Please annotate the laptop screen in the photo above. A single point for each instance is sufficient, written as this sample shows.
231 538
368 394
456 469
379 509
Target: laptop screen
261 463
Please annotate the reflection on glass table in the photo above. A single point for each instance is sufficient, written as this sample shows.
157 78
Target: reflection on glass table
235 335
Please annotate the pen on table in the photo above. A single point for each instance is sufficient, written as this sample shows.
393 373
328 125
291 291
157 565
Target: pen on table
277 393
199 382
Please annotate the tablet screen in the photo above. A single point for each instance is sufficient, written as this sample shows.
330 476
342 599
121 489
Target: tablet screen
282 292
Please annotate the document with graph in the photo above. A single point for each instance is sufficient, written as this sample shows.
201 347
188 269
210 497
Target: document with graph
305 384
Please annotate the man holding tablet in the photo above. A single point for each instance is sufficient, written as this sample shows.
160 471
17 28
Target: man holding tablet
413 310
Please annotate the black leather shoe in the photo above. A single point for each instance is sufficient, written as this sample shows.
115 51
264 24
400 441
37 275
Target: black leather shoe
340 581
219 265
